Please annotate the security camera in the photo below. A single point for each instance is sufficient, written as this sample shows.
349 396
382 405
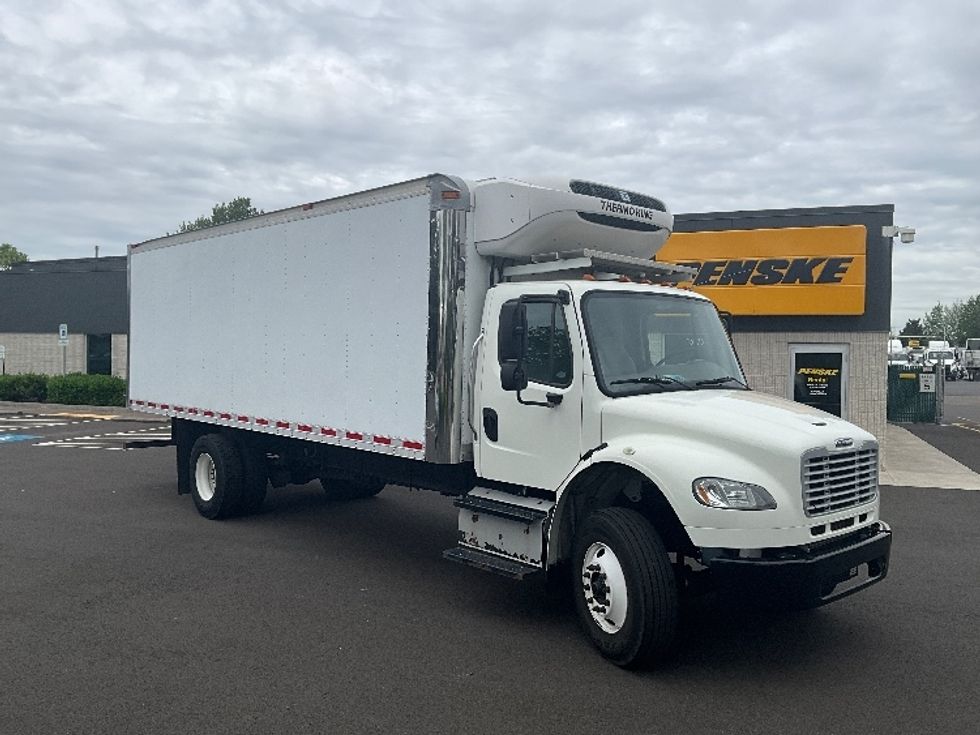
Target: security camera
906 234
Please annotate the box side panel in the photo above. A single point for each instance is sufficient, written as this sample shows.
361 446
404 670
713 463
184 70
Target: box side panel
318 321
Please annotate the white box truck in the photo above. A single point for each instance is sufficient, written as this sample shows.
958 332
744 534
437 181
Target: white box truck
506 344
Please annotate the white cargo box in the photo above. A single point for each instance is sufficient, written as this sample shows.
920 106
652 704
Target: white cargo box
311 322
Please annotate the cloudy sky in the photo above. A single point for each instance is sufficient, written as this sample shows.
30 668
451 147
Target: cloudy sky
119 119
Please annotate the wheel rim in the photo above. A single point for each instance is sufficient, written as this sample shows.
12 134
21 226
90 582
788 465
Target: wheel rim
205 477
604 585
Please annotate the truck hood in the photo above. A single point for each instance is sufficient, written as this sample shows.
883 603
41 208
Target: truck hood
728 419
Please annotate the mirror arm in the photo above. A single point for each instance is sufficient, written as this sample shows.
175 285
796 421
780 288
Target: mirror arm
554 399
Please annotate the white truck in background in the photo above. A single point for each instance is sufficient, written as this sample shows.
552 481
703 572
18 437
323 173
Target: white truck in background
971 357
502 343
942 359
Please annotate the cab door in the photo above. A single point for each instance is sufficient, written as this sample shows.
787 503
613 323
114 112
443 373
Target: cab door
531 437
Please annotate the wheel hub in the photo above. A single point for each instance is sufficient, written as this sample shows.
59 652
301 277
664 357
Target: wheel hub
604 586
205 477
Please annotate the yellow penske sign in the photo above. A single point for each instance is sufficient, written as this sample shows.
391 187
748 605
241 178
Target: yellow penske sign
776 272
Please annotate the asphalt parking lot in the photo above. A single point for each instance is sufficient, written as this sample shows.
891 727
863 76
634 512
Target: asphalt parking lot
958 433
122 610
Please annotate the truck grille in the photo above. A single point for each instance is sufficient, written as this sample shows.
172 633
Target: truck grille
839 480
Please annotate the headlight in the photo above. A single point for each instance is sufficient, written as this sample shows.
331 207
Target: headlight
716 492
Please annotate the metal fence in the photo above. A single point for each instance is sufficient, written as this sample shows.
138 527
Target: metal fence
915 394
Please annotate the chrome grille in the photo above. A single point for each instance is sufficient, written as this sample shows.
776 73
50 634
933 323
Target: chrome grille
839 480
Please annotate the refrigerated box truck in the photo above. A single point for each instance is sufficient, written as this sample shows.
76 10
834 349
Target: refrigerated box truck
513 346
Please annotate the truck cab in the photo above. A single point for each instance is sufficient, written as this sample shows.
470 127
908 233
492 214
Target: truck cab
614 425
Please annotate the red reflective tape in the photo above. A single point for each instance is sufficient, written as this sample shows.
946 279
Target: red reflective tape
282 424
386 440
304 427
328 432
355 436
139 403
262 422
192 411
165 406
243 419
209 414
179 409
412 445
151 405
224 415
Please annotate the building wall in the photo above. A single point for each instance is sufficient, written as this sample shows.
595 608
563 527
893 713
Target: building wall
120 355
41 353
766 361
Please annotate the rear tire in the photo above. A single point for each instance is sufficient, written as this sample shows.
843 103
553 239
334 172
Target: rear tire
625 591
216 476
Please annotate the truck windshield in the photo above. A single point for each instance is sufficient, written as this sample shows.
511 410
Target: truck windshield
650 343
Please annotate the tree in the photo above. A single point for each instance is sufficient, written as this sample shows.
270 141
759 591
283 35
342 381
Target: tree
236 209
936 322
9 255
968 320
913 327
955 323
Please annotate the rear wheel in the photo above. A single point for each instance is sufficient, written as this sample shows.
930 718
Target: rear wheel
351 489
625 592
216 476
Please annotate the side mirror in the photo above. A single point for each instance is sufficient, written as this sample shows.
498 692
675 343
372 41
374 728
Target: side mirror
512 338
512 344
513 377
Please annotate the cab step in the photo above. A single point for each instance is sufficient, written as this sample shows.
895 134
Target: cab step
490 562
507 509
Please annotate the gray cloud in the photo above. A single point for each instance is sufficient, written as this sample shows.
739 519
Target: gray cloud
120 119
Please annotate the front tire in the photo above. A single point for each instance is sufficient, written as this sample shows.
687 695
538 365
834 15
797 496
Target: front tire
625 591
216 476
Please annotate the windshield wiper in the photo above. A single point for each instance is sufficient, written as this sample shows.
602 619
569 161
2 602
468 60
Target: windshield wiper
721 381
652 380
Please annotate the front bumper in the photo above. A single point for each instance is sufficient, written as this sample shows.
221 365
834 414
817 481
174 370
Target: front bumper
813 575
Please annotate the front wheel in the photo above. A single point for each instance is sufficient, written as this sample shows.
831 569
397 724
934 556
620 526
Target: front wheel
625 592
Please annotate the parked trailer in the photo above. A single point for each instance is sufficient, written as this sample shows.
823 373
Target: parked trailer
504 344
971 358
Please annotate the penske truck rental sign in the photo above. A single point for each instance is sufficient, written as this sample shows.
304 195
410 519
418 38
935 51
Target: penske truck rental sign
806 271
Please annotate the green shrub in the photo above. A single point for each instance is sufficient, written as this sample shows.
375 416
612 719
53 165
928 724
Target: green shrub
23 387
88 390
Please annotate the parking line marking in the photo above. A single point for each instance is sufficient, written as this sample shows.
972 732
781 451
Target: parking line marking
968 428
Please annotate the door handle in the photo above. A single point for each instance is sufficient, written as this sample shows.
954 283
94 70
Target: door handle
490 426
